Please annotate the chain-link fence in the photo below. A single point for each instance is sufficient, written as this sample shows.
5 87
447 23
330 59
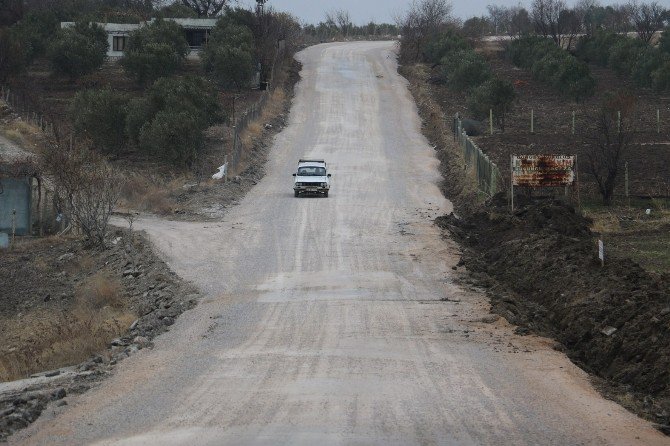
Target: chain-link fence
22 106
252 114
485 171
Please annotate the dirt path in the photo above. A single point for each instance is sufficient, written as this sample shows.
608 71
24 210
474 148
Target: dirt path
324 322
9 151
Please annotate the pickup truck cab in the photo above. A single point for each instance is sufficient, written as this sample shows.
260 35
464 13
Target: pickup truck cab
312 178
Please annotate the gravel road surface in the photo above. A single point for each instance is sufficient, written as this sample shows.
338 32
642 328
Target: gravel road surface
324 321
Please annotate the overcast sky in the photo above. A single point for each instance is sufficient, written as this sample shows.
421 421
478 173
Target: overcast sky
363 11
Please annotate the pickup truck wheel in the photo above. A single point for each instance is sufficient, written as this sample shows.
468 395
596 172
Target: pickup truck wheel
325 194
296 193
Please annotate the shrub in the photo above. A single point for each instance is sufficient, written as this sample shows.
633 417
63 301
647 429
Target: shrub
553 65
78 50
495 94
167 100
465 69
596 48
649 60
664 42
444 45
155 51
574 79
190 93
624 54
101 116
36 30
524 52
661 77
228 55
12 54
173 135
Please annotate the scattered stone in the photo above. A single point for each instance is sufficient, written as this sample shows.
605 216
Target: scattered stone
522 331
608 331
66 257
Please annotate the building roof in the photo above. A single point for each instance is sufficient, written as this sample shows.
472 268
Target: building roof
193 23
109 27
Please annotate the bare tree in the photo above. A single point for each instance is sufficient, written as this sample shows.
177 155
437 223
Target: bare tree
499 17
586 10
424 19
647 18
340 19
206 8
570 26
609 143
546 16
87 189
520 23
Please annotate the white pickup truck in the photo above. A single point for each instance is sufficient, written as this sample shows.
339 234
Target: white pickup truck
312 178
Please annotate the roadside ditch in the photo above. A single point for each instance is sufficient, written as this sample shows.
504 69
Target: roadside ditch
539 268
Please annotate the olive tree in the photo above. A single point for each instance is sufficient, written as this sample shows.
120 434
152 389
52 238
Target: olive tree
155 51
78 50
228 56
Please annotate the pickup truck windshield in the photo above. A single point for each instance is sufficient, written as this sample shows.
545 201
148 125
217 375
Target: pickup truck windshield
312 172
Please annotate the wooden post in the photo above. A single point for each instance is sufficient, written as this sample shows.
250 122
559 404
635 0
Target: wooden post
627 184
13 227
491 120
618 122
573 122
532 121
601 252
511 176
579 198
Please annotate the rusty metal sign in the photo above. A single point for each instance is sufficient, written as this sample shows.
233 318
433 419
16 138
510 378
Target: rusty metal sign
543 170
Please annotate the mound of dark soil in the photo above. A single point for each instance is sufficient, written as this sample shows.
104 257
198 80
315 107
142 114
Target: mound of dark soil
541 269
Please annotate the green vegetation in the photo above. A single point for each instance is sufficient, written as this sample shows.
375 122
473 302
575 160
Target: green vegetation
12 55
156 50
445 44
647 65
553 66
167 123
465 69
495 94
101 116
78 50
228 56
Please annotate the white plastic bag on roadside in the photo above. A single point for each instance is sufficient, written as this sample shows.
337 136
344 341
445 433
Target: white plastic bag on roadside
221 174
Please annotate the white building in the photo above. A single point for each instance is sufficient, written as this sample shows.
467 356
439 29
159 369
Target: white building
196 32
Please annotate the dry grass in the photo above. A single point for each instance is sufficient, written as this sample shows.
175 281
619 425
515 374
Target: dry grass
145 195
21 132
254 131
44 340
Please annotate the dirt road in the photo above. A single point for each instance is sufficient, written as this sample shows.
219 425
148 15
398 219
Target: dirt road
324 322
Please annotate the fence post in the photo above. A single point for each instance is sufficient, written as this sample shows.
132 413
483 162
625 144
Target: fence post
618 122
511 176
627 184
573 122
658 120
